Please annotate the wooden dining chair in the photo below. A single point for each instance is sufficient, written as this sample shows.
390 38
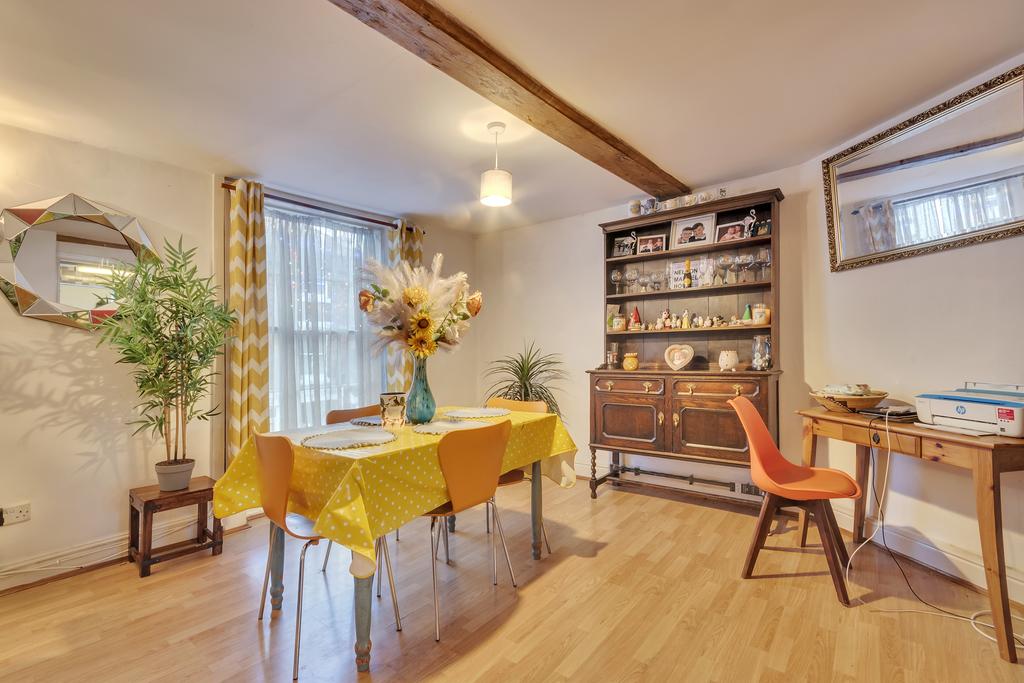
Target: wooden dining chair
470 462
517 476
788 485
276 461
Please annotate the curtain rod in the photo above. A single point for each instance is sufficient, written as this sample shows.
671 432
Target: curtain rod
291 200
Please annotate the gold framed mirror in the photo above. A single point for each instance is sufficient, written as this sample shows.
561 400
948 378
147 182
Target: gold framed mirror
55 254
948 177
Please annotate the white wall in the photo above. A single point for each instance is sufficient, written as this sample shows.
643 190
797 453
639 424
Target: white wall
929 322
64 444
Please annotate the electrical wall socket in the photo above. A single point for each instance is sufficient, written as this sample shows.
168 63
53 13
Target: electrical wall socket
17 513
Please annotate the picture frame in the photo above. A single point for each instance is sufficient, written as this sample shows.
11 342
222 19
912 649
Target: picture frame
624 246
650 244
689 232
730 232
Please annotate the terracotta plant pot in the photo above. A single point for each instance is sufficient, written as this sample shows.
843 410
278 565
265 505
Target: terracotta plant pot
174 475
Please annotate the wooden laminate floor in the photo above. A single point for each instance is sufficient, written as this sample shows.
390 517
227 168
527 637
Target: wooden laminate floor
640 588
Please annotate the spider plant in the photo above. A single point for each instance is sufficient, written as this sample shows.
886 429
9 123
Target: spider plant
527 376
170 326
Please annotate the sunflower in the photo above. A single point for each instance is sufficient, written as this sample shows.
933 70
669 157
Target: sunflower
414 297
421 324
421 347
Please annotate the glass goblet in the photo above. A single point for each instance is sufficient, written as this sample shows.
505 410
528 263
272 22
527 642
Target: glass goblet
632 275
657 279
616 278
644 281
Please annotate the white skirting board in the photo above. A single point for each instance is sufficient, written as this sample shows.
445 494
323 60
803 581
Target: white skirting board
951 560
101 550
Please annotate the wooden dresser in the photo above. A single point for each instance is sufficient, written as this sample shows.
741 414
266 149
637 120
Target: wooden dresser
684 414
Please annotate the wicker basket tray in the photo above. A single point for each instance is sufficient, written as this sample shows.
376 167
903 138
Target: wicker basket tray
841 403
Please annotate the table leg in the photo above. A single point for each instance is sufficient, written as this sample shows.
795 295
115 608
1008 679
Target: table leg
146 544
593 472
536 508
860 504
133 531
201 523
451 523
990 525
810 445
218 536
362 595
276 567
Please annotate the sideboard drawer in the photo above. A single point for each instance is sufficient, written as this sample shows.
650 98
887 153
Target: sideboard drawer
654 386
721 389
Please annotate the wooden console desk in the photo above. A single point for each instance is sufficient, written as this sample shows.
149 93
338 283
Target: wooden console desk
985 456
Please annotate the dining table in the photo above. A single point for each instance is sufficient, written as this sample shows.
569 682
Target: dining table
356 495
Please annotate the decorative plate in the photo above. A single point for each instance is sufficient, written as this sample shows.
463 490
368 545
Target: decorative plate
348 438
463 413
445 426
678 356
368 421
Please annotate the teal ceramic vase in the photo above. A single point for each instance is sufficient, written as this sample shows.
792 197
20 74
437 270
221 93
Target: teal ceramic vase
419 405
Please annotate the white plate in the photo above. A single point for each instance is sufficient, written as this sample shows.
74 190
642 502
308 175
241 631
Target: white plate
445 426
463 413
349 438
368 421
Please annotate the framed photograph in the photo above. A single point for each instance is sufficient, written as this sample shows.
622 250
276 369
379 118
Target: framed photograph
624 246
688 232
729 232
650 244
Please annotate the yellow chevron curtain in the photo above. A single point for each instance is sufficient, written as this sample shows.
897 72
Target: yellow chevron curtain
247 404
405 243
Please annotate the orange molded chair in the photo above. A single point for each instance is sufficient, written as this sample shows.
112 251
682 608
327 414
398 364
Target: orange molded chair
788 485
381 544
470 462
276 460
516 476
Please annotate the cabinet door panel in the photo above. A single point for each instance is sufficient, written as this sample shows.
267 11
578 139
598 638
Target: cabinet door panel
630 422
710 431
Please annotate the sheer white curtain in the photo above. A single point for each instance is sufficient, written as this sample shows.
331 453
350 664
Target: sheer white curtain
320 346
959 210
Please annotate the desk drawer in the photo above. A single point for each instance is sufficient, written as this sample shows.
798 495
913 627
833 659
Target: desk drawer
901 443
843 432
948 453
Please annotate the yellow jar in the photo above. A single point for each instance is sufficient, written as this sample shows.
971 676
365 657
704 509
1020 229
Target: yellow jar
630 362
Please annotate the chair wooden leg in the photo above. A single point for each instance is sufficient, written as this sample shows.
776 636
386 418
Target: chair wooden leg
837 534
764 523
828 542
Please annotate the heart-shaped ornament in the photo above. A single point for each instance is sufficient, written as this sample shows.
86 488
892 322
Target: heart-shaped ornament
678 356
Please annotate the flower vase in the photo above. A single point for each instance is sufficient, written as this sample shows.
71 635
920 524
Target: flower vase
420 405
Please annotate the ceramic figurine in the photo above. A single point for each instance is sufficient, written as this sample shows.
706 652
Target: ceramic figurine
634 320
665 315
674 321
708 322
659 324
685 320
747 315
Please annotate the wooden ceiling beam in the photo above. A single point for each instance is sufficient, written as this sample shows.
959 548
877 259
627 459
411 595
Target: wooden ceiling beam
443 41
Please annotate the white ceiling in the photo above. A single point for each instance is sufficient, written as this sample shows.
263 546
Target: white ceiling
715 90
310 100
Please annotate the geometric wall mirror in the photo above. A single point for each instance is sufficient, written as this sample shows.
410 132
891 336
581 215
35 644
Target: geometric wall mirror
56 253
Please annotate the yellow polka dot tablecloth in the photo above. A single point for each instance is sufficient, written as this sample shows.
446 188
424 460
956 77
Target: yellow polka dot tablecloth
357 495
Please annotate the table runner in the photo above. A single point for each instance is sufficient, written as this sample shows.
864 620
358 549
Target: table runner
357 495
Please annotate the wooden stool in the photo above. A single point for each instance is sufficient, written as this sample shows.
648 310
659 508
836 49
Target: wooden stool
149 499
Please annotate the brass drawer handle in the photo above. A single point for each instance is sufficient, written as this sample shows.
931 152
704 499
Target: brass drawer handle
737 388
690 388
675 419
647 387
661 418
609 384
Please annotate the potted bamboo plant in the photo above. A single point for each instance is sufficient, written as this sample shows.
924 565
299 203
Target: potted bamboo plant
170 326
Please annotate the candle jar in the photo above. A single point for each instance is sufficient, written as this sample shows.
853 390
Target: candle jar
392 408
761 314
630 362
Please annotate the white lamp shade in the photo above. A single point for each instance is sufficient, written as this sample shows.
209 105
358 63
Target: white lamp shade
496 187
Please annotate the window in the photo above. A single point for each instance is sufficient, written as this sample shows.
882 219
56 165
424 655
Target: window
320 353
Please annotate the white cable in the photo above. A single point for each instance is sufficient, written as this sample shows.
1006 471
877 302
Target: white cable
973 619
166 532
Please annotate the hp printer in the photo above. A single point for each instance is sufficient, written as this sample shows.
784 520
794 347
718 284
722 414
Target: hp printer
977 408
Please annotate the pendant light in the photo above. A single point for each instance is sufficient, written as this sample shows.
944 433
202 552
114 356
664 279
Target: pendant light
496 183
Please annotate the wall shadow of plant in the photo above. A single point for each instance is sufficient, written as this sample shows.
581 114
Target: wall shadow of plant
83 400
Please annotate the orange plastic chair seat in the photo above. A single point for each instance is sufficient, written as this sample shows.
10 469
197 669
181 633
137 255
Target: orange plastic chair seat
813 483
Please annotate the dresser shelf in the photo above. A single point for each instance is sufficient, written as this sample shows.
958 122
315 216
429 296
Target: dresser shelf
695 250
691 291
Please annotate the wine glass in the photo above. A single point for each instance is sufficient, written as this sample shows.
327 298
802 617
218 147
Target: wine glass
723 264
747 264
657 279
735 265
616 278
764 258
632 275
644 281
